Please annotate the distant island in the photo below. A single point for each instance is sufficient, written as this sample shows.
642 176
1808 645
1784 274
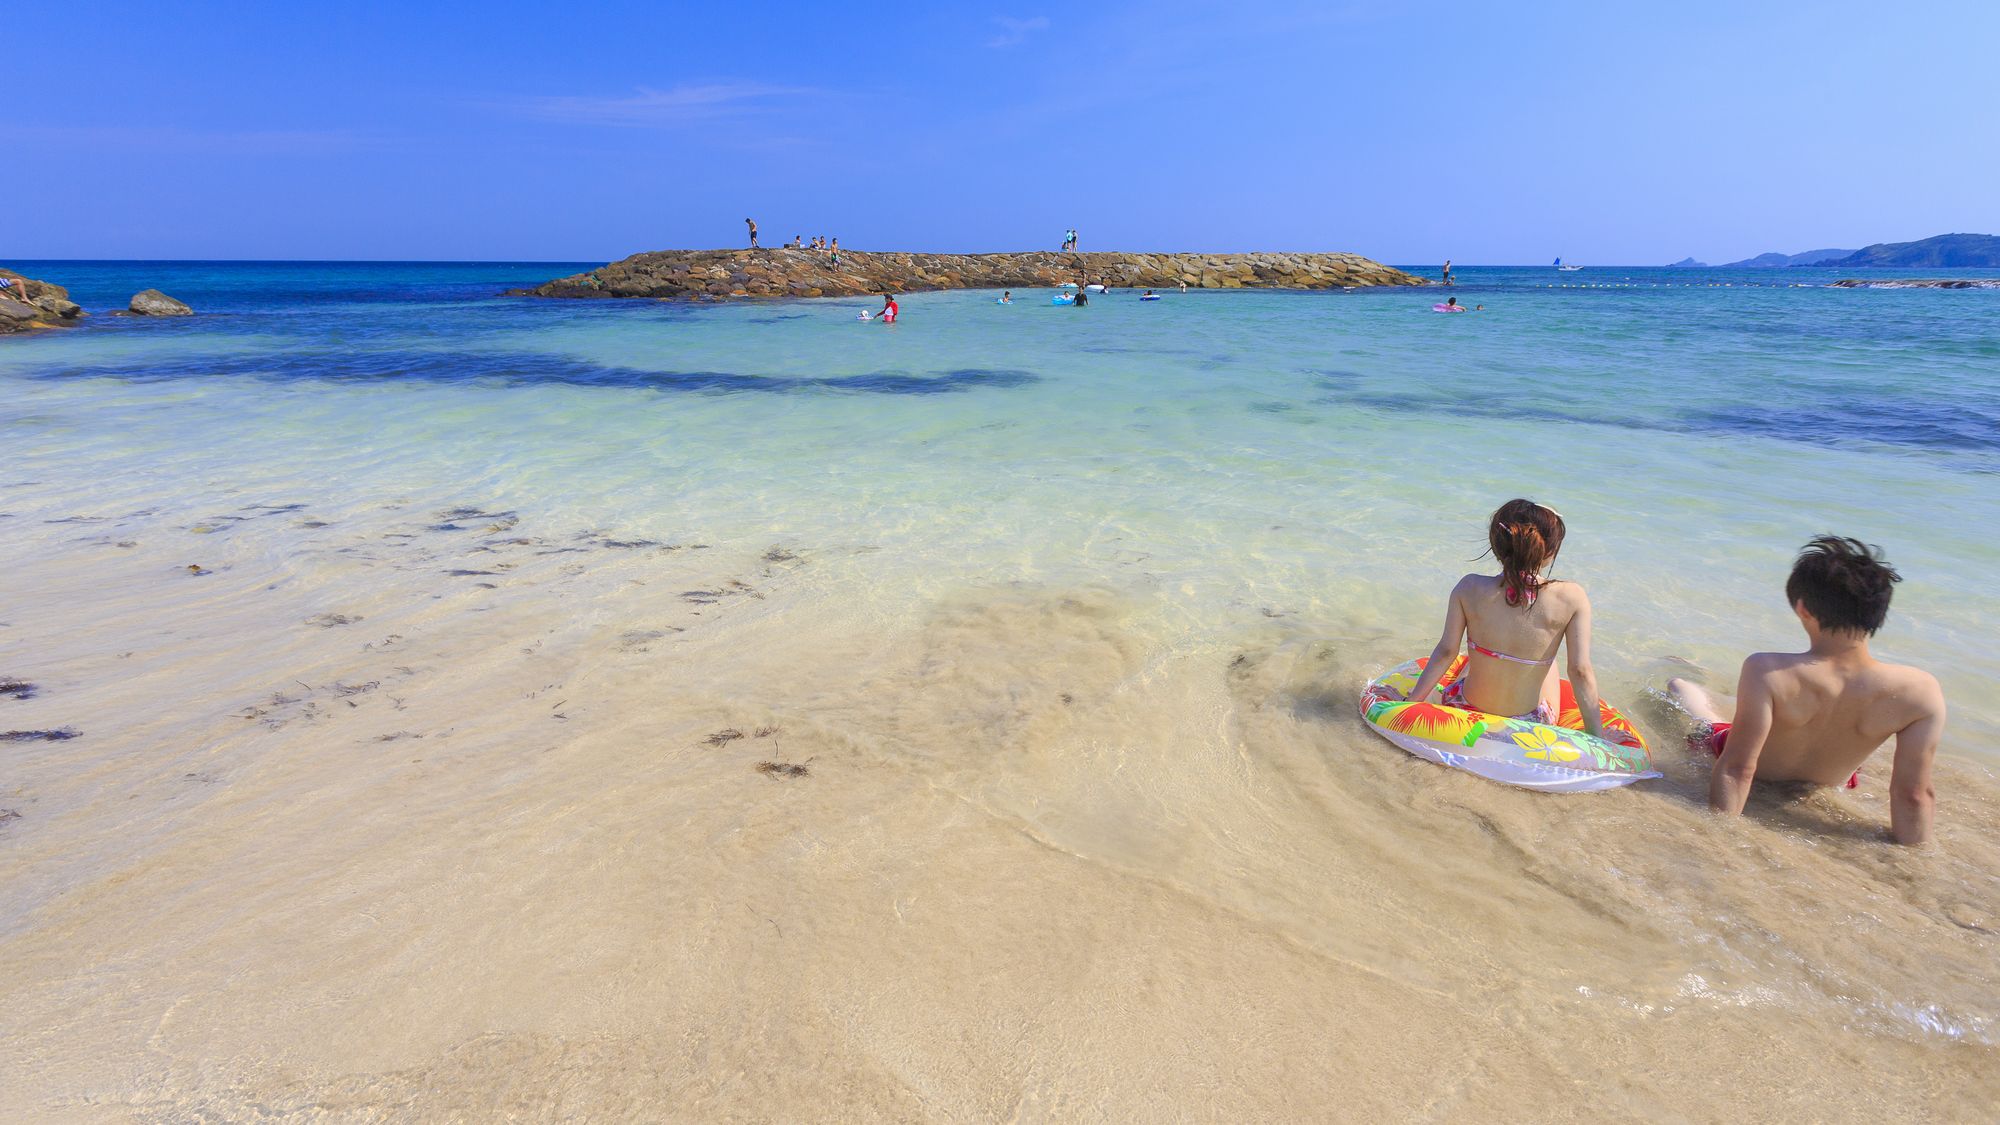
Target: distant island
1944 251
1776 261
778 272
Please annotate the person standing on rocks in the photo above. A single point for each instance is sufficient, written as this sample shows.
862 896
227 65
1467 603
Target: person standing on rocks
1447 273
752 224
836 251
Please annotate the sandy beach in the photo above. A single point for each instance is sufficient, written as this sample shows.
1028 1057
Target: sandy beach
536 745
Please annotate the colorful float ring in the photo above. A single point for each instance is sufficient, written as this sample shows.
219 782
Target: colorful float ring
1062 300
1447 308
1559 759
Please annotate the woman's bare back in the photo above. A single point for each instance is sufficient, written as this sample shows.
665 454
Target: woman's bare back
1532 632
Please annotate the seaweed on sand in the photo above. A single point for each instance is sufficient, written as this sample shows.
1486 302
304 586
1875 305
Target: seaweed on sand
61 734
783 769
18 689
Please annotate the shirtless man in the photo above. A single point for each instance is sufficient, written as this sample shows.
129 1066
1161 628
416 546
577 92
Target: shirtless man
1815 716
752 224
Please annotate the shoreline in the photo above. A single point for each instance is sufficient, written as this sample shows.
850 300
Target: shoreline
780 272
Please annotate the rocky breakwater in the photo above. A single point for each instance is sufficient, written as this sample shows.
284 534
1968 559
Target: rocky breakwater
27 304
1918 283
726 274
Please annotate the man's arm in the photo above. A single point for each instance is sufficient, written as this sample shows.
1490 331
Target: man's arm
1729 783
1447 647
1910 794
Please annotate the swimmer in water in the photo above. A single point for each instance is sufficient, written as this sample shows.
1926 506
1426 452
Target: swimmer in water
1007 296
889 310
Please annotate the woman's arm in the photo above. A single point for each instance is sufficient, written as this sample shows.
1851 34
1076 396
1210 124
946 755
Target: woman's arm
1582 677
1447 647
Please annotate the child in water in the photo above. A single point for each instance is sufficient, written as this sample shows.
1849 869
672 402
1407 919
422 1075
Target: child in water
1513 623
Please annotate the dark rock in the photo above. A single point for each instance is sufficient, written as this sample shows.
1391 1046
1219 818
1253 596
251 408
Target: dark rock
152 302
721 274
28 304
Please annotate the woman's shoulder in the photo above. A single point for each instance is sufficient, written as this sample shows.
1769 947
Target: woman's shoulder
1564 590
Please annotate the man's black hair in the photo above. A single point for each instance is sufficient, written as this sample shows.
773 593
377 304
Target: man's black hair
1844 583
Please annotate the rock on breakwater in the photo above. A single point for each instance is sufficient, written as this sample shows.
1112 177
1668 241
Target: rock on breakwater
28 304
724 274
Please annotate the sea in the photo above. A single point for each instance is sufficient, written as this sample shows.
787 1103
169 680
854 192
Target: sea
437 704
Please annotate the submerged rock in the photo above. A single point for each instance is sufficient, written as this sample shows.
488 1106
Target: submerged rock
722 274
152 302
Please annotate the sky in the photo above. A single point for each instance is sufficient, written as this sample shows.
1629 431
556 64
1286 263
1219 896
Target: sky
1487 133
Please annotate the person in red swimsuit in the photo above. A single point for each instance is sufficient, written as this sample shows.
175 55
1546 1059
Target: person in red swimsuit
889 310
1815 716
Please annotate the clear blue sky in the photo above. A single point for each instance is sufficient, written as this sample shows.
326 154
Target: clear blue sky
1486 132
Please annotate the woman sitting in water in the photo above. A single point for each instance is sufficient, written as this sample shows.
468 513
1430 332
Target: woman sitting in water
1513 623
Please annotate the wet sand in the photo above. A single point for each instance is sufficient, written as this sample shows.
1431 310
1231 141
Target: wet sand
424 807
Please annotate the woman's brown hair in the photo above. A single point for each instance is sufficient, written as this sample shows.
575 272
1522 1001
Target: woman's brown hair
1525 537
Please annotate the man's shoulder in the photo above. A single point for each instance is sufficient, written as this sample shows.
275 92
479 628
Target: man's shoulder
1769 665
1915 684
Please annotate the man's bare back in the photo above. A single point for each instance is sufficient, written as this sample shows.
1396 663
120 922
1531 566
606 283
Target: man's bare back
1815 716
1827 716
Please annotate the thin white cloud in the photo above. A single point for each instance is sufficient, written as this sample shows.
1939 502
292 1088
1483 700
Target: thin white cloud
1015 32
676 106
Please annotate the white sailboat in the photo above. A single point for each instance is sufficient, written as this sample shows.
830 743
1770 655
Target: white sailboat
1566 269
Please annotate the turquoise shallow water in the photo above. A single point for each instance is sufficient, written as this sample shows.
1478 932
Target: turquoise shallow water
1329 455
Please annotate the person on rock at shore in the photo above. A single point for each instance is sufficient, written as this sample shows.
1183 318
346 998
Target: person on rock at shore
752 224
889 310
14 289
1513 623
1815 716
836 252
1447 273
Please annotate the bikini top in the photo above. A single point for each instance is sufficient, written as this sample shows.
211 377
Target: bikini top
1484 651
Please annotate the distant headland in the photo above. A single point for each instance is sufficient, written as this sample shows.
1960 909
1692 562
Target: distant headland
777 272
1943 251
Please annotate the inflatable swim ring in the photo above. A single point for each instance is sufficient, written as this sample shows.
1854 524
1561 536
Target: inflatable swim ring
1062 299
1094 287
1150 297
1556 759
1448 308
1068 285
